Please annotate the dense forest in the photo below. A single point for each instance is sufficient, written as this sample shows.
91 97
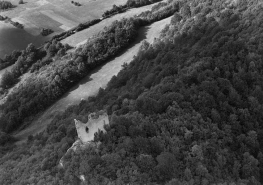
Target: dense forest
186 110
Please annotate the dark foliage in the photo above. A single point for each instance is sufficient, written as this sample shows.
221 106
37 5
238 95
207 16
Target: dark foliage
38 92
52 77
46 31
186 110
80 27
129 4
9 59
5 5
2 18
23 61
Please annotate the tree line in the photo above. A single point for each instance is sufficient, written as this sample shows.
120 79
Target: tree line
129 4
51 77
186 110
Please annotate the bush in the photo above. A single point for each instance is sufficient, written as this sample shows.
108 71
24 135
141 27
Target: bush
5 5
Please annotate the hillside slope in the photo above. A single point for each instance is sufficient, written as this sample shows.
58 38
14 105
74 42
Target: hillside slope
53 71
90 85
81 37
186 110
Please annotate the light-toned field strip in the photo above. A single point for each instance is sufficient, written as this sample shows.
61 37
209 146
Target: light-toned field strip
60 19
77 38
42 2
28 26
65 28
90 85
81 43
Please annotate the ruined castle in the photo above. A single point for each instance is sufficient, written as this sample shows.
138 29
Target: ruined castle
87 130
86 133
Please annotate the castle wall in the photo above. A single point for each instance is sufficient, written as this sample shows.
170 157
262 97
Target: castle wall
87 130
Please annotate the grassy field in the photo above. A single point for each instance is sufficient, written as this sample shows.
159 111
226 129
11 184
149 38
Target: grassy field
12 38
90 85
82 36
58 15
61 12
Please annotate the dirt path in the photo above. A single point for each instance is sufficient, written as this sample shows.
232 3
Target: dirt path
90 85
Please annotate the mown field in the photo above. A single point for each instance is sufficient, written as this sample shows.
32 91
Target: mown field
58 15
82 36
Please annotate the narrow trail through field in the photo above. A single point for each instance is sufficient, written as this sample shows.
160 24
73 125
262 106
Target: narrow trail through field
90 85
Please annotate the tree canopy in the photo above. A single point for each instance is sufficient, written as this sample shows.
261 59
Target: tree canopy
186 110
